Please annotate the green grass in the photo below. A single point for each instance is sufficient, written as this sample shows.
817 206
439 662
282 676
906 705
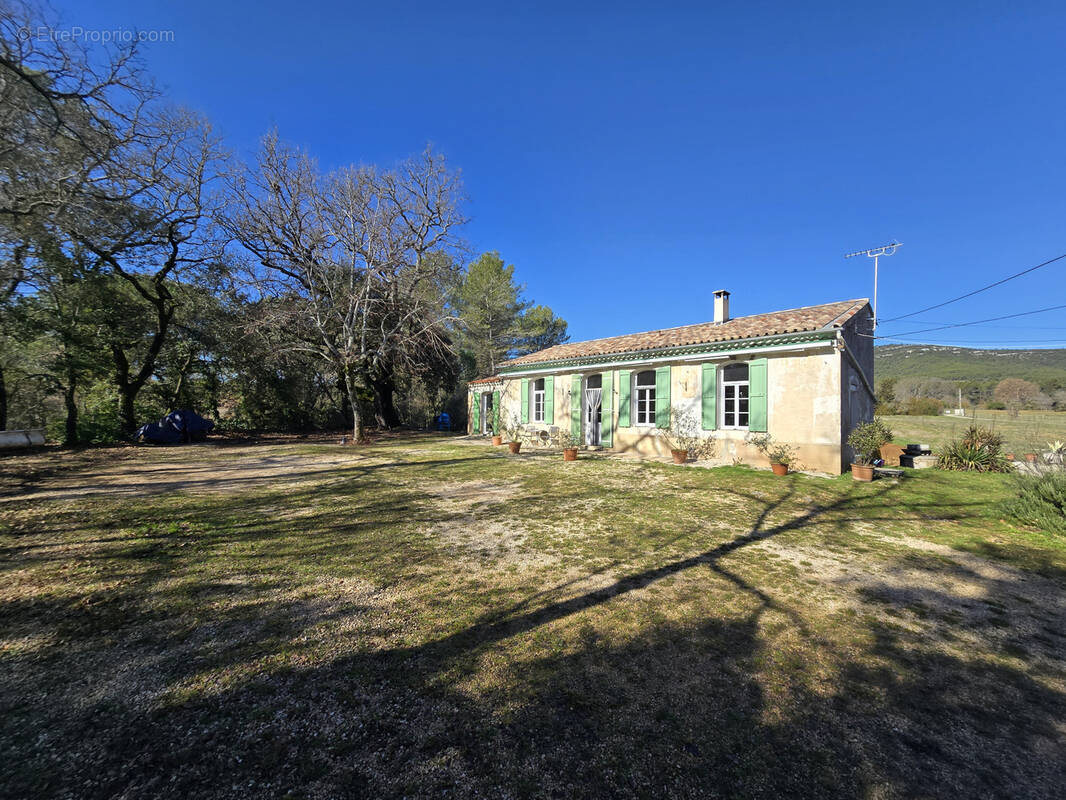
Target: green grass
1029 432
428 617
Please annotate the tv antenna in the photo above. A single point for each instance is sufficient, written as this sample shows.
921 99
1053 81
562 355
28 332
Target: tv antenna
875 253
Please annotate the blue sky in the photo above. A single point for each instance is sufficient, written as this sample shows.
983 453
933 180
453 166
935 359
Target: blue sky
630 159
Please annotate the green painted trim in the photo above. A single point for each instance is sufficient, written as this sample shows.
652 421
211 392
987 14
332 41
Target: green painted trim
688 350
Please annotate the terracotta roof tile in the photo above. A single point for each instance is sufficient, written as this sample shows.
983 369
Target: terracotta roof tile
797 320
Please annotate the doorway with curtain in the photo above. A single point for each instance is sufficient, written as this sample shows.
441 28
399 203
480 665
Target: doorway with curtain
593 401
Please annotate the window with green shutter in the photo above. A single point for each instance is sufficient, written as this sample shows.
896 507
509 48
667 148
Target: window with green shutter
757 412
549 400
623 398
709 392
662 397
525 401
475 412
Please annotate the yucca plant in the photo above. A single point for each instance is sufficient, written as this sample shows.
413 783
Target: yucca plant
979 450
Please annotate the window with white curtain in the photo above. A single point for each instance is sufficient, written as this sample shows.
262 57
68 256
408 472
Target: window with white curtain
734 390
644 397
538 400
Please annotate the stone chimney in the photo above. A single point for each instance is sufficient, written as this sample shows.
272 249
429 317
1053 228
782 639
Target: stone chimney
721 306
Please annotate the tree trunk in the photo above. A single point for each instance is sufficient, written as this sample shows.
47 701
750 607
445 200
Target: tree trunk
127 417
70 434
3 402
353 399
345 406
128 387
384 407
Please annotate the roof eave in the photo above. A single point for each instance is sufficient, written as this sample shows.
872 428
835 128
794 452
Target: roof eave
703 348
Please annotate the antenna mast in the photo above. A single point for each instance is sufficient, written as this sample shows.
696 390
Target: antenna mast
875 253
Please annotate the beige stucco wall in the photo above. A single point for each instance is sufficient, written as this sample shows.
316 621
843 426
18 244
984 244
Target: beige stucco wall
804 409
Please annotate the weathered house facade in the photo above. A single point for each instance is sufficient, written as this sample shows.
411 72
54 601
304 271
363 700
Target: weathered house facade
804 376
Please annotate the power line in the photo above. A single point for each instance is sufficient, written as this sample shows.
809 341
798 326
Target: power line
976 322
1005 344
977 291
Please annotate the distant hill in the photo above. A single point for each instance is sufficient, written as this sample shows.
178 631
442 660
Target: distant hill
966 364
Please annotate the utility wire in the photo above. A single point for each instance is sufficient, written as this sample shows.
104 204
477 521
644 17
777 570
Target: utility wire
975 291
1006 345
976 322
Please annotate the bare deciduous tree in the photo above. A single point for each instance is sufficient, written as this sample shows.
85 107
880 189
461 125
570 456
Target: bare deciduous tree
353 262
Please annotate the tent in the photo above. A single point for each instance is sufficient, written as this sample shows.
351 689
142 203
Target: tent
176 427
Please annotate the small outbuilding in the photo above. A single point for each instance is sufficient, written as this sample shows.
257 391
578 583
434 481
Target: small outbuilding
804 376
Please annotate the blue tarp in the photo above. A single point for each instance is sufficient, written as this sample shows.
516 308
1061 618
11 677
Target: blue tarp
179 426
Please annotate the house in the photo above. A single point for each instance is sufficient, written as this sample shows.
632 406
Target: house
805 376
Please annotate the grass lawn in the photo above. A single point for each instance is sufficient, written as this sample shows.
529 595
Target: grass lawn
429 617
1029 432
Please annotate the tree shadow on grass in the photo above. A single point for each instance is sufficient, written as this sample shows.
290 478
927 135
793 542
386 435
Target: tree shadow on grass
551 696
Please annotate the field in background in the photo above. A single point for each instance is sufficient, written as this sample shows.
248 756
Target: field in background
429 617
1030 432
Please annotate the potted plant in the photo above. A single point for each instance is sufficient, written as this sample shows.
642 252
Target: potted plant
781 455
569 444
866 440
683 436
513 429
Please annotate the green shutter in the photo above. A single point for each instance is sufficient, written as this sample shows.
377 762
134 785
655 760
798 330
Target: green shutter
475 414
496 413
624 386
662 397
709 389
525 400
605 409
549 400
575 407
757 395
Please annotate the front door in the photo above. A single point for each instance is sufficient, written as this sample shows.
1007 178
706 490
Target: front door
486 412
593 405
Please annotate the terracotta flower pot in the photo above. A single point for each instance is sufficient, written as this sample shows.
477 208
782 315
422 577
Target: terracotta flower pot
569 454
514 447
497 440
779 469
1010 456
680 456
1030 457
862 472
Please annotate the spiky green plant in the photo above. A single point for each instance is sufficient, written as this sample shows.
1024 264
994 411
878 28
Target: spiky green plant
978 450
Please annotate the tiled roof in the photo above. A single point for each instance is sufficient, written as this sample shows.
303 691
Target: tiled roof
490 379
796 320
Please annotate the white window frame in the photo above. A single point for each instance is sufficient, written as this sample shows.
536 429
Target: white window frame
536 401
637 389
723 391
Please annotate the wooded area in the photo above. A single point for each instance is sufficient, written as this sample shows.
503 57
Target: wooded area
143 267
